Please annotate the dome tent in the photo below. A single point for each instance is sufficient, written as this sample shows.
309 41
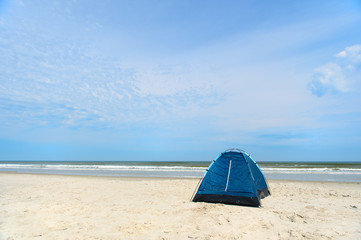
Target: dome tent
233 178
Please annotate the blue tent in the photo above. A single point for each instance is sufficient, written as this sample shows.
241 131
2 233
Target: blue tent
233 178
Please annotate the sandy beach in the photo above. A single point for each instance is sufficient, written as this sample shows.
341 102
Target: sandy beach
72 207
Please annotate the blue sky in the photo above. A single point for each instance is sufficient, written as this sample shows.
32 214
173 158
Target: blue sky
180 80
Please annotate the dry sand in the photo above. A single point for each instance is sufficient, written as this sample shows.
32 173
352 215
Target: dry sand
70 207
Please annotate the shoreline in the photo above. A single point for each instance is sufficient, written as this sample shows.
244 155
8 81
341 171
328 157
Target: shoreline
290 171
165 177
89 207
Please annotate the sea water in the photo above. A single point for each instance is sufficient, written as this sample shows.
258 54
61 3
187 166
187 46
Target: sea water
306 171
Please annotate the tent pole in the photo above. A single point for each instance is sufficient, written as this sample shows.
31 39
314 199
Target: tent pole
194 193
229 172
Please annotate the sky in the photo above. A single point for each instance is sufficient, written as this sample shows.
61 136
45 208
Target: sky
179 80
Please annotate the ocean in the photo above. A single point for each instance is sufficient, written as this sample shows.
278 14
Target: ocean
304 171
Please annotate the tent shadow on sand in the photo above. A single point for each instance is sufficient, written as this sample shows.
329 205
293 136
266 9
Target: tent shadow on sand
233 178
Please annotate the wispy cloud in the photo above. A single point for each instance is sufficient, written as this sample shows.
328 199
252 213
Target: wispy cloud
56 82
295 137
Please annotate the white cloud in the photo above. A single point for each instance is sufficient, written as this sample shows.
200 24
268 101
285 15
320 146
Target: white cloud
352 53
337 77
328 78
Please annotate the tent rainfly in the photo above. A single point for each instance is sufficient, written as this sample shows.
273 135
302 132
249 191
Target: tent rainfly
233 178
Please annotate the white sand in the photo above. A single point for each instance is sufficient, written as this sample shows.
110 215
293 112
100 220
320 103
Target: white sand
69 207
